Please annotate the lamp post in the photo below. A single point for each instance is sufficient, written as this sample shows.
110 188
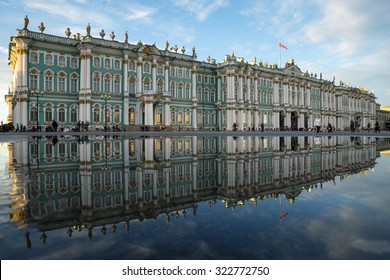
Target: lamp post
37 93
106 96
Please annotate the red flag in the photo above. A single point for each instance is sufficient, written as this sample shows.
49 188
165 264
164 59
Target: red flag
281 216
282 46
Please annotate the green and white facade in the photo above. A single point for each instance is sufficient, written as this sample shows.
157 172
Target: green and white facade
104 81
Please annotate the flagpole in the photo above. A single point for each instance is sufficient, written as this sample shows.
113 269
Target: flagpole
280 55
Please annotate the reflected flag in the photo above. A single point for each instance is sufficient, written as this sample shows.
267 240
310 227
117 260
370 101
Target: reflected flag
283 215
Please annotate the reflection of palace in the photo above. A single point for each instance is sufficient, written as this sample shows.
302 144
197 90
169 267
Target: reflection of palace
95 182
107 82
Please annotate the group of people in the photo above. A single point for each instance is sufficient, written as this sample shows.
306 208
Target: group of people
261 128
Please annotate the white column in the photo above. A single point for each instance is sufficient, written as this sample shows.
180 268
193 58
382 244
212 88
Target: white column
240 89
139 76
194 100
154 77
276 92
125 92
167 114
219 88
285 92
248 89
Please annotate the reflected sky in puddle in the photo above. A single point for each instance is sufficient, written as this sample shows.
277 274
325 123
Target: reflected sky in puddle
195 198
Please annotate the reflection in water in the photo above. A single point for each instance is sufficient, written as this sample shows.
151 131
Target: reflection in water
96 183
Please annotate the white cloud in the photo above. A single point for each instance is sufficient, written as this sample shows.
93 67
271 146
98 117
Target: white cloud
201 9
71 12
3 50
373 247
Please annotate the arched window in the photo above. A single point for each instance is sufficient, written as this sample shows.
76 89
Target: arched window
34 57
180 117
96 115
61 115
173 89
116 116
107 83
48 115
34 80
48 59
160 86
96 83
61 61
117 64
180 91
73 62
206 95
199 94
73 115
131 116
173 117
33 114
188 90
146 84
117 84
132 86
187 116
131 65
146 67
96 62
107 114
212 96
74 83
49 81
107 63
62 82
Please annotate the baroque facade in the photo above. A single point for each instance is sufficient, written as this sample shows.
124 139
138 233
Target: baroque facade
107 82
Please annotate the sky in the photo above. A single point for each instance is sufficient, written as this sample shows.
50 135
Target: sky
345 39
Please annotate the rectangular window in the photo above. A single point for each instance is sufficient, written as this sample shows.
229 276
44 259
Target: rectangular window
34 81
73 84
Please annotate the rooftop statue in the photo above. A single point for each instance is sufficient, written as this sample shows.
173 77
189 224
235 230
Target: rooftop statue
41 27
88 28
26 21
67 32
166 45
126 37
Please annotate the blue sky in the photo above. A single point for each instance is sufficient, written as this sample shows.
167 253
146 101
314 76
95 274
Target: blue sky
348 39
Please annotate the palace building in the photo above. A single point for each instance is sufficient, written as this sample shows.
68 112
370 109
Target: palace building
104 82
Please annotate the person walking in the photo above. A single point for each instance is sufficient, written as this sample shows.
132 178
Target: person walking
317 124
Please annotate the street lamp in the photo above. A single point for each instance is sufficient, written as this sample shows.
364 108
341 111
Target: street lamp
37 93
106 96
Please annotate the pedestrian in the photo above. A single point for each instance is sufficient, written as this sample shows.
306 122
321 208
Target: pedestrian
262 127
317 124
